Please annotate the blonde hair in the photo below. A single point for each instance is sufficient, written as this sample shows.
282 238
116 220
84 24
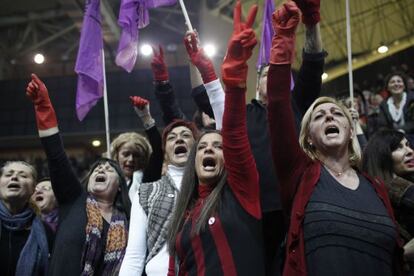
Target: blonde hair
141 145
354 148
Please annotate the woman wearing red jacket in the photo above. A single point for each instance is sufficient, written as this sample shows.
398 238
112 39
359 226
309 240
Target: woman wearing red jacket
341 221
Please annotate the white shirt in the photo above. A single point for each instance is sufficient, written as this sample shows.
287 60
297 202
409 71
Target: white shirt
135 255
215 95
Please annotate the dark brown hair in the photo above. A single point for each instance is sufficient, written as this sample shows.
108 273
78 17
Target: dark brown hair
188 196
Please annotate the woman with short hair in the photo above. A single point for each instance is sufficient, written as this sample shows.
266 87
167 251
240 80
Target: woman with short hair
23 239
341 220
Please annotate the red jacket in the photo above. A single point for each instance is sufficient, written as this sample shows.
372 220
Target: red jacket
298 174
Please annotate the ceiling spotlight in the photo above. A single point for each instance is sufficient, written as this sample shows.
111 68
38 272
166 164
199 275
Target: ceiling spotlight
382 49
324 76
210 50
96 143
39 58
146 50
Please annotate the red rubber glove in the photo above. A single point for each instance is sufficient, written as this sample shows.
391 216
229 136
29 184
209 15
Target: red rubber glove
285 20
45 114
199 59
310 11
159 68
239 49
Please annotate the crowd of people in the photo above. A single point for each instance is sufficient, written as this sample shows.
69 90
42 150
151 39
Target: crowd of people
289 184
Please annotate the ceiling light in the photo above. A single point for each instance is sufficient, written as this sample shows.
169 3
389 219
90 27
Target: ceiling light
146 50
382 49
324 76
96 143
210 50
39 58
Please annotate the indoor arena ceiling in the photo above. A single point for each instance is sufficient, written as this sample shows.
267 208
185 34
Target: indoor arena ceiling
52 27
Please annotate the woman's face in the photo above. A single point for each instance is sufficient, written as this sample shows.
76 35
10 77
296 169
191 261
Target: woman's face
44 198
104 182
329 128
128 159
403 159
16 183
178 144
209 160
396 85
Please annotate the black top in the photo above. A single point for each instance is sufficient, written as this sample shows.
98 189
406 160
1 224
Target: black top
70 234
221 248
169 106
307 89
347 232
11 245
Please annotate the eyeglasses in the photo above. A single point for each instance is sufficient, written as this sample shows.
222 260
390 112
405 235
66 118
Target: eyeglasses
43 188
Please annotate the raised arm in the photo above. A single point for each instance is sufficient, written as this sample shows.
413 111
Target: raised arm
153 170
65 183
212 84
163 89
308 82
239 162
288 158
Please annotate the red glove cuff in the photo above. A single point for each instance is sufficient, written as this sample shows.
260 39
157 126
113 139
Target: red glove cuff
207 73
283 50
45 117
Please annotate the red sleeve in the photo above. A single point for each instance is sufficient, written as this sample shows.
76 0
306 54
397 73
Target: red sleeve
241 169
289 159
171 266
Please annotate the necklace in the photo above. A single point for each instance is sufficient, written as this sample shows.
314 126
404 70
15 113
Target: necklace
336 173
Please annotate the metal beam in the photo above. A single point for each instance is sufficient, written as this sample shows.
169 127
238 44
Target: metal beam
109 18
366 59
6 21
48 40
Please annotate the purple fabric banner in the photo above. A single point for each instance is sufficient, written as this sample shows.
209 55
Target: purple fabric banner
89 65
133 15
267 34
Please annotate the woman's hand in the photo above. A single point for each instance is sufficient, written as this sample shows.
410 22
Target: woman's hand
142 109
198 57
45 114
239 49
159 68
285 21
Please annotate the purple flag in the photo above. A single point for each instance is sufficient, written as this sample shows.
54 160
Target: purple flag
89 65
267 34
133 15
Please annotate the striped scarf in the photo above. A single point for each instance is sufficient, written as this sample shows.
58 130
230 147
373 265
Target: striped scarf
116 240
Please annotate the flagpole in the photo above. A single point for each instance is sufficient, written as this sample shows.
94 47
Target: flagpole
349 48
187 19
105 96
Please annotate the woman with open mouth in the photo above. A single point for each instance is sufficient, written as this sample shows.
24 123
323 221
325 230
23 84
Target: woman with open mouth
24 241
152 206
45 201
341 220
93 221
390 157
216 225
